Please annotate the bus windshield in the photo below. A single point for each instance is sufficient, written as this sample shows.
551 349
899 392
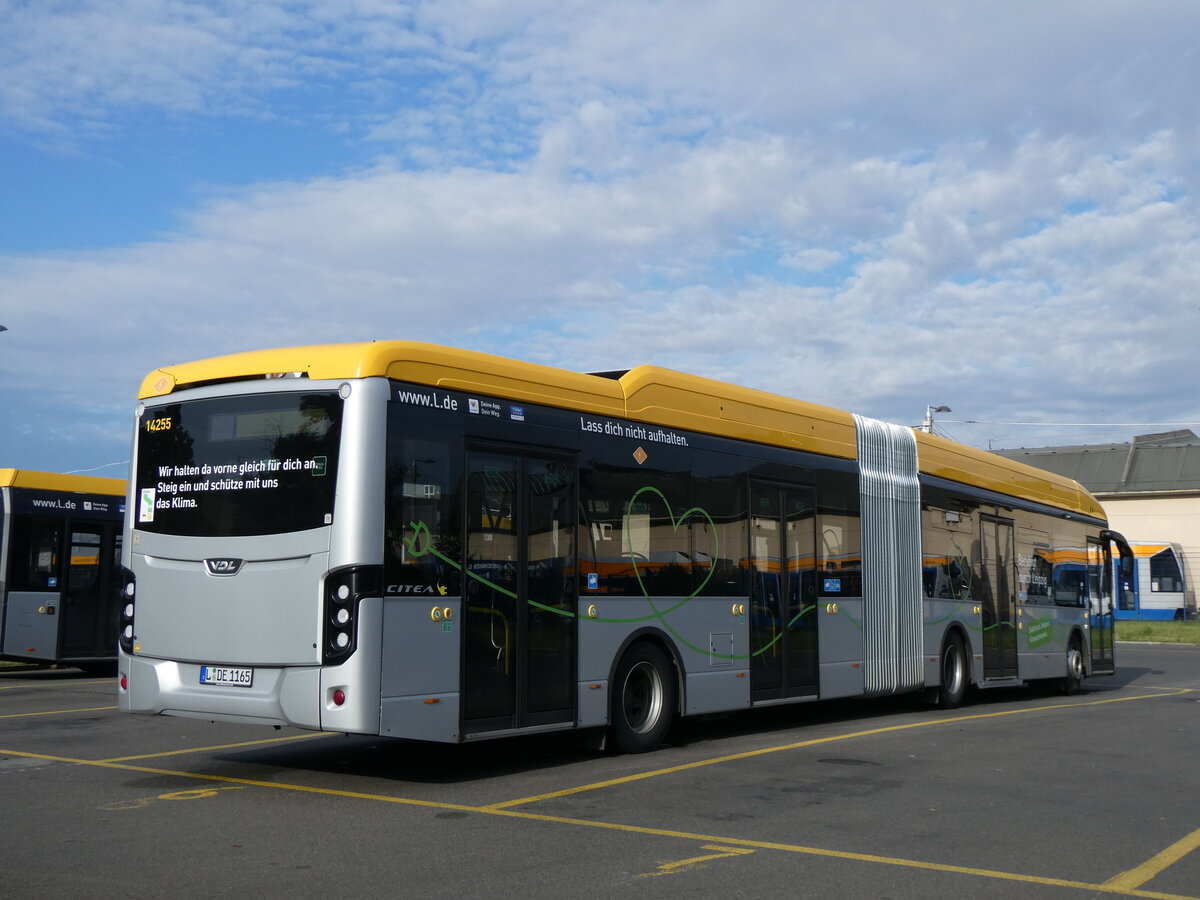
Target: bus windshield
232 466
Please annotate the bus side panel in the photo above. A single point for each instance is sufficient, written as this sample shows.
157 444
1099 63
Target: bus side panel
841 647
714 642
420 668
1043 638
31 625
711 641
600 639
941 616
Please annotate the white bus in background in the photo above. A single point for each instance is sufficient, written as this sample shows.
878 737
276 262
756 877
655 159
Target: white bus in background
1158 590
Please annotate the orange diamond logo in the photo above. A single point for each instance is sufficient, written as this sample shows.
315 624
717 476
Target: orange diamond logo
640 455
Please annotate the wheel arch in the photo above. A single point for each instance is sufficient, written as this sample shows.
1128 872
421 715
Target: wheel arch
957 629
660 639
1077 633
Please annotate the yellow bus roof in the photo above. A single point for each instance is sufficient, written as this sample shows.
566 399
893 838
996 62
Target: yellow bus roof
52 481
647 394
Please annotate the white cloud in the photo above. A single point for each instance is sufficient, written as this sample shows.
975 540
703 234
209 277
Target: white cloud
874 207
440 255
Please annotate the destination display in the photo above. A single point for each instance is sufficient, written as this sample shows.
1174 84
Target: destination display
259 464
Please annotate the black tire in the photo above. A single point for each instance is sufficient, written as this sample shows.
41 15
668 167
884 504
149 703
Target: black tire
953 687
643 699
1073 680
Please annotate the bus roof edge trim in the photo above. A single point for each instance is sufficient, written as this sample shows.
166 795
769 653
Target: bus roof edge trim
645 393
54 481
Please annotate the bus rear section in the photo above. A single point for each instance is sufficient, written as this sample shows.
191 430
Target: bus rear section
60 539
240 602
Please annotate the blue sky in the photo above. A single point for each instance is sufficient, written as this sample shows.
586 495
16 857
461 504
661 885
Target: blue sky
877 206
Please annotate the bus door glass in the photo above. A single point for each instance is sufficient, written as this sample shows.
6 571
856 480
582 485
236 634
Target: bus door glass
1100 606
783 620
89 625
520 630
999 604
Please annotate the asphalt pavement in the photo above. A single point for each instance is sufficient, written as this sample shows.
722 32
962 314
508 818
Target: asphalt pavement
1021 793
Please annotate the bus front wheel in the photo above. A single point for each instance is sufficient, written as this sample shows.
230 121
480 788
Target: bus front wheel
1075 669
643 699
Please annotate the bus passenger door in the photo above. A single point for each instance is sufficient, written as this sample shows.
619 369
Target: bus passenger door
89 618
519 632
1100 606
33 597
997 598
783 619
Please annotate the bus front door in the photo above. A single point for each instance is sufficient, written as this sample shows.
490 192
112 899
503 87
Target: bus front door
1100 603
519 633
998 602
783 616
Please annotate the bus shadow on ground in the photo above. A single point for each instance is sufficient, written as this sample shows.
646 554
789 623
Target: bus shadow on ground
417 762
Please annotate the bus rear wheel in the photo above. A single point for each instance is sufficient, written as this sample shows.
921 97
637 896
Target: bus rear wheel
643 699
953 688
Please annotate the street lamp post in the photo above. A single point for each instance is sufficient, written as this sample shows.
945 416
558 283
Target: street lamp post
929 411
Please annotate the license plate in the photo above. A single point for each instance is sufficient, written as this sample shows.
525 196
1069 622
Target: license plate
225 676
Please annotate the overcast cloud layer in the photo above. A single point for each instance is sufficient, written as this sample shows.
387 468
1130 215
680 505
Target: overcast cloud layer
876 206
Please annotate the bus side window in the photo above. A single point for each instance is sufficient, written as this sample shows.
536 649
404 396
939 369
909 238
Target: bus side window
35 552
422 543
1070 585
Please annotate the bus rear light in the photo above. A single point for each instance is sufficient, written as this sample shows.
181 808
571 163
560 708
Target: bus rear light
339 697
344 591
124 682
125 633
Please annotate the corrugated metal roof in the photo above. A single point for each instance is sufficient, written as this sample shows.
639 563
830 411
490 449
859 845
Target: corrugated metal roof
1169 461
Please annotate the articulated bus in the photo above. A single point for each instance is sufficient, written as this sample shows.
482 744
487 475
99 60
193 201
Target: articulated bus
401 539
60 542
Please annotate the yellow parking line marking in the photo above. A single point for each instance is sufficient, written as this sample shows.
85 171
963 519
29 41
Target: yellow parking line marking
762 751
843 854
683 865
1139 875
227 779
56 712
279 740
630 829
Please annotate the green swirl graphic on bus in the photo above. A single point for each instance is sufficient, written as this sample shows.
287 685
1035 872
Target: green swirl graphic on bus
420 543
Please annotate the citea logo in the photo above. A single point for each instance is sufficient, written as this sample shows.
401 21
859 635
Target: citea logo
223 566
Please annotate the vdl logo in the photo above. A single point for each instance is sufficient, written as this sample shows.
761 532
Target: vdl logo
223 566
